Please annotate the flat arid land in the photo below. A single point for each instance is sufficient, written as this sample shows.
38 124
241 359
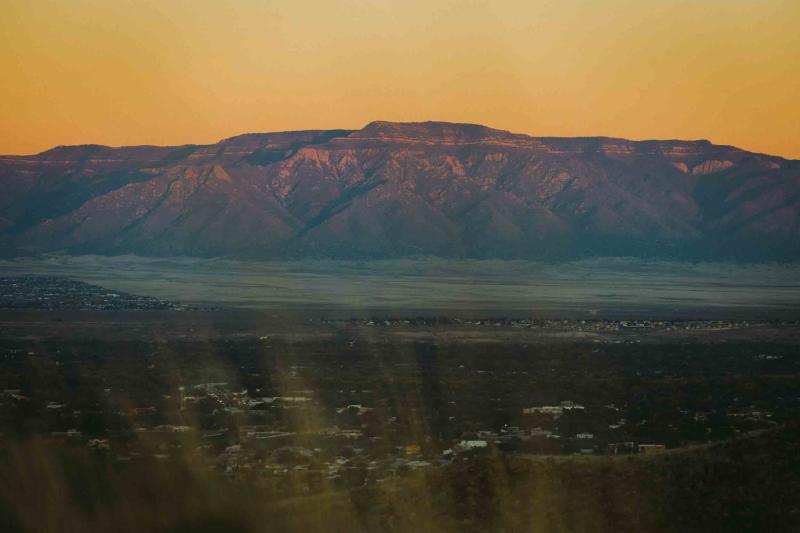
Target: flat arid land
596 288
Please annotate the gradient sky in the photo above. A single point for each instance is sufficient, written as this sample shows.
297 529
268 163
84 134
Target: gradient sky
124 72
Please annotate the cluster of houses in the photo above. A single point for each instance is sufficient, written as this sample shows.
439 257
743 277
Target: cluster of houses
590 325
345 444
55 293
554 410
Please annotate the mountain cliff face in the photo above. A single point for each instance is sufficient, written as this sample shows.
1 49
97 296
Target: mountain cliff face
402 189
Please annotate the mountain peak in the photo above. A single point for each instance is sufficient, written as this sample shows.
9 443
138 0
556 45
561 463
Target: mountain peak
431 131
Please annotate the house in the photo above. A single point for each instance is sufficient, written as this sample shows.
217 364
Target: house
294 399
553 410
413 449
648 449
473 444
355 408
350 433
622 448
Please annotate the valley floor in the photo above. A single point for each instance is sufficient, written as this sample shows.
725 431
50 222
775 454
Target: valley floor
209 419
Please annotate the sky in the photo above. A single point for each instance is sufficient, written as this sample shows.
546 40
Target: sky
168 72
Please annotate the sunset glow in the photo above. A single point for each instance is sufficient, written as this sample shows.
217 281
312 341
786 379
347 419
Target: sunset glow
195 71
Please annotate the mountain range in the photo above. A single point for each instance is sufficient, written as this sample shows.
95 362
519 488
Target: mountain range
404 189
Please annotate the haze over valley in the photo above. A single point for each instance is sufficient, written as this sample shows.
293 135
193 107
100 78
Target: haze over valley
590 288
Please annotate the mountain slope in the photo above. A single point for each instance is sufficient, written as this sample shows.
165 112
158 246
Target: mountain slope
400 189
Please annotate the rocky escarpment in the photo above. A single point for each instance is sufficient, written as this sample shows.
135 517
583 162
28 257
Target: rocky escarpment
402 189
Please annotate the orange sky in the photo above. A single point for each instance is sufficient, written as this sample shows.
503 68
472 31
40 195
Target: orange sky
125 72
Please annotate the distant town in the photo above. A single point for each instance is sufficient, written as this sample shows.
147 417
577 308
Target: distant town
57 294
350 413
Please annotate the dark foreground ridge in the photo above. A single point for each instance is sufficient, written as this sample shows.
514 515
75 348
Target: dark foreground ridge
404 189
747 484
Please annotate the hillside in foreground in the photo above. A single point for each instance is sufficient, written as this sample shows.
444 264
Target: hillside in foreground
747 484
